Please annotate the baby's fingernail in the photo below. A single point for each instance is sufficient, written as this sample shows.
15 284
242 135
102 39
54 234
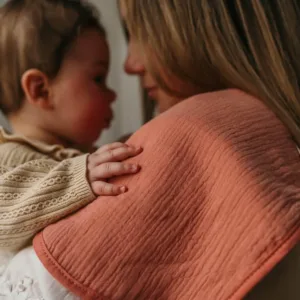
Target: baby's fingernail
134 168
123 189
135 148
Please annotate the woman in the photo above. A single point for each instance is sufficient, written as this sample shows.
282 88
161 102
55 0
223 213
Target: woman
215 212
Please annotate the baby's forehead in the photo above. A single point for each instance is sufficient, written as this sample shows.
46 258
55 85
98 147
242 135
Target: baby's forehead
90 47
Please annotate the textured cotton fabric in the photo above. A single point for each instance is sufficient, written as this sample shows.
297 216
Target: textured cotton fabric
214 209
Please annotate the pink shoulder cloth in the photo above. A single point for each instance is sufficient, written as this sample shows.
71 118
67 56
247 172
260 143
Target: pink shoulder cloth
214 209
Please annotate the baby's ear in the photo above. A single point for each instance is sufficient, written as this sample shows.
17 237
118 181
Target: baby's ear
35 85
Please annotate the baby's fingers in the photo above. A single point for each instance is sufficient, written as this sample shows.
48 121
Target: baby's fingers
108 170
101 188
118 154
110 147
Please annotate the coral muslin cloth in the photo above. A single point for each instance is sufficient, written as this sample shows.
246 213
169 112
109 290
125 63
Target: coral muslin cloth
215 207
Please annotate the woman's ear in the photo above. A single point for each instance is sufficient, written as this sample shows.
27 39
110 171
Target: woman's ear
35 85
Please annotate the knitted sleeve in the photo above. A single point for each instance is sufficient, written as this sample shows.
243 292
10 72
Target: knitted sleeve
36 191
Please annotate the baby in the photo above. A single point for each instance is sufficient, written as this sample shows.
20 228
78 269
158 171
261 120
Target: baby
54 64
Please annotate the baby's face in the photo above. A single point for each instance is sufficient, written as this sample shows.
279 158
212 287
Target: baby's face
81 97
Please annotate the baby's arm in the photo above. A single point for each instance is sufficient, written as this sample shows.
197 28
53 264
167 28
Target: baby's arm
39 192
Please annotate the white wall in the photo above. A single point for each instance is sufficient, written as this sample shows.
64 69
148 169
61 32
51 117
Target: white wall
3 121
128 107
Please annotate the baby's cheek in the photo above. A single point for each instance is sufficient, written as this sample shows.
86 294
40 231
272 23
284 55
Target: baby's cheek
93 124
90 119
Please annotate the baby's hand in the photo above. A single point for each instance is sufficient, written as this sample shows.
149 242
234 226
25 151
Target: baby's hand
106 163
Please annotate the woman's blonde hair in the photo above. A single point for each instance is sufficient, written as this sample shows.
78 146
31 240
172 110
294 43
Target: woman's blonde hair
37 34
252 45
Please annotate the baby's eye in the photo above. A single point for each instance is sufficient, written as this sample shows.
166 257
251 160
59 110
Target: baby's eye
99 79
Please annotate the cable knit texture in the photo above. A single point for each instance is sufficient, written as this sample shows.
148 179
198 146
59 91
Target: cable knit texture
215 207
39 184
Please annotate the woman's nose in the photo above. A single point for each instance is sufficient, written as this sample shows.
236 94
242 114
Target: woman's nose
133 65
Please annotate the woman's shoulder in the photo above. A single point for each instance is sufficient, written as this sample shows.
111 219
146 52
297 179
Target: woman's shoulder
225 108
228 119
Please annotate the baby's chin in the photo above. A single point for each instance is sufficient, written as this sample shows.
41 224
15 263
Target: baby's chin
86 148
87 145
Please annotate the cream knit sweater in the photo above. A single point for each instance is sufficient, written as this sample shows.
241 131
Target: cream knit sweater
39 184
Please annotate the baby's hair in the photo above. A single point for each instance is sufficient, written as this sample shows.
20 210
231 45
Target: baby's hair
37 34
